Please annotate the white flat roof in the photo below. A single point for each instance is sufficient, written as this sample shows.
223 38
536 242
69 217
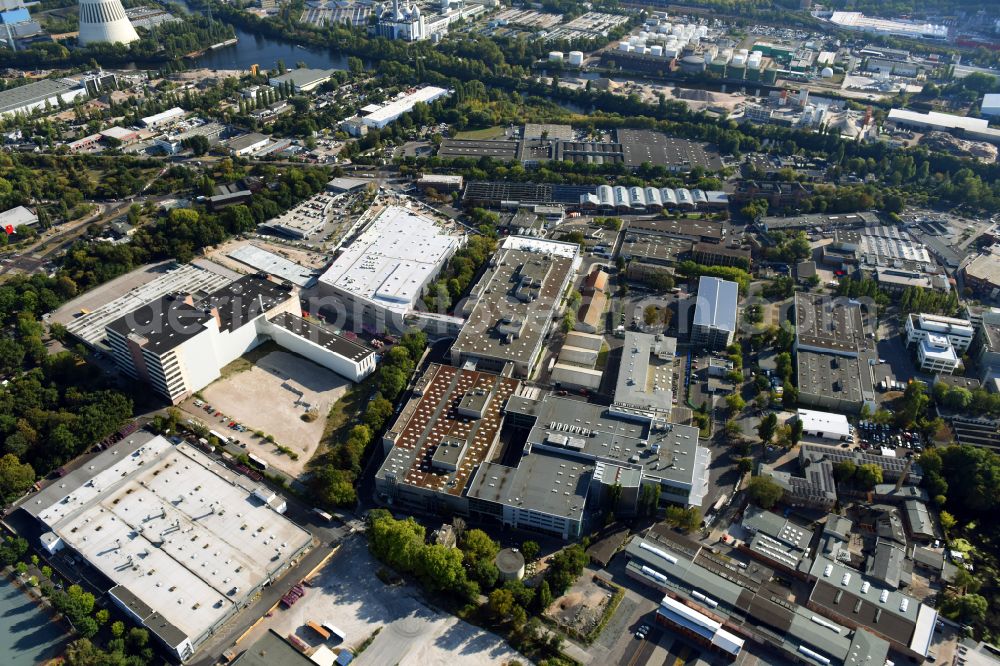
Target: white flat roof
937 119
392 260
177 530
17 217
404 104
164 115
533 244
716 304
827 422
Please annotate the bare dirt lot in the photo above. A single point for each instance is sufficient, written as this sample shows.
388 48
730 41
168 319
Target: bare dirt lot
271 396
581 608
347 594
298 256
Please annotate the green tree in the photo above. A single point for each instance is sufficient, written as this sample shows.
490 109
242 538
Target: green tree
15 477
767 427
501 603
477 545
544 596
530 550
735 402
764 491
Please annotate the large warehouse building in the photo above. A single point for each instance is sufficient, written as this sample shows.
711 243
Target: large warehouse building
182 542
510 310
834 354
31 96
179 346
383 273
444 454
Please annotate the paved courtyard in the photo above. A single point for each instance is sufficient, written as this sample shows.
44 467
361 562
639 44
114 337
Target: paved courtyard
347 593
272 396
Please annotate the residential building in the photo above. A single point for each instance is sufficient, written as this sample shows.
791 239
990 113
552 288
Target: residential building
715 313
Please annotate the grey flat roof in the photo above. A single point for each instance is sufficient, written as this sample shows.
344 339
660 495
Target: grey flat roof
269 262
246 140
644 376
272 650
828 375
322 336
552 131
513 305
162 324
717 303
833 324
30 93
641 146
669 452
543 481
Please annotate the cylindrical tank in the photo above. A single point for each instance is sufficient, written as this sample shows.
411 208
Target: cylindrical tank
576 58
656 51
669 52
827 73
555 56
739 60
510 562
624 46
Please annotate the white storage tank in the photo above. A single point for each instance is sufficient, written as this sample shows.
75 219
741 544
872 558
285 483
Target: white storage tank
669 52
743 52
555 56
827 73
656 51
576 58
624 46
739 60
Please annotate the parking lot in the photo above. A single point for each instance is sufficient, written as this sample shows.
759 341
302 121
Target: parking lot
347 594
272 396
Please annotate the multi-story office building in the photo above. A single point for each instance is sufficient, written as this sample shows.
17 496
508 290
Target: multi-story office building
715 313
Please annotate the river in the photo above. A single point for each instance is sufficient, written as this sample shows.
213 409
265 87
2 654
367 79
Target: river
28 636
254 49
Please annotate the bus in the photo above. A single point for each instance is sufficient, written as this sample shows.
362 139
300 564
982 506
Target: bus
257 462
324 515
222 438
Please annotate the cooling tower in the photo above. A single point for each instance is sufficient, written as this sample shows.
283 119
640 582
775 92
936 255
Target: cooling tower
104 21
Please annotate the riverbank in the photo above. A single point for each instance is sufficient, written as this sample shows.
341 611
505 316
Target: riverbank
30 632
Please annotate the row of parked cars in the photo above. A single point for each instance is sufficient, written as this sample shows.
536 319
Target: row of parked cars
880 434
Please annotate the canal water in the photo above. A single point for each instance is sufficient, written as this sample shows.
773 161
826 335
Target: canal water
254 49
28 636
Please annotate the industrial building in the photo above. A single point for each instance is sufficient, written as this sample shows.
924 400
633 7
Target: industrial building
260 259
248 144
721 606
178 345
835 354
982 274
826 425
645 376
444 455
384 272
31 96
576 365
302 79
715 315
891 27
16 218
634 148
105 22
990 106
164 118
510 310
378 116
966 127
181 542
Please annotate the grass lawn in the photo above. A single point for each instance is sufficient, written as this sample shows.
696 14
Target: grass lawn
488 133
248 360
